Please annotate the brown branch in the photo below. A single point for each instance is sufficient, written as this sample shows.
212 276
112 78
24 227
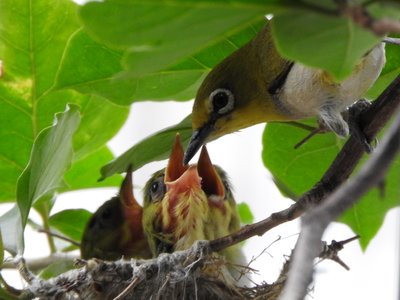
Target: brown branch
318 218
360 16
372 122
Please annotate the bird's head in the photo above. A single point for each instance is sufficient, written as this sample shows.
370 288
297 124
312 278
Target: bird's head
179 202
233 96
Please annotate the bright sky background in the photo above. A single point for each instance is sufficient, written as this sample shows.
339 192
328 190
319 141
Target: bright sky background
373 275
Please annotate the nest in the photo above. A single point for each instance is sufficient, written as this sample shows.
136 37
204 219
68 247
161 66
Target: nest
180 275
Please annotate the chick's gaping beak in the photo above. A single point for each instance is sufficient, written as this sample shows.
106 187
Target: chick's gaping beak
189 192
211 183
126 193
199 137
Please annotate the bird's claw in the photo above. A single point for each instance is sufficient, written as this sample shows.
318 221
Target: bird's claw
355 111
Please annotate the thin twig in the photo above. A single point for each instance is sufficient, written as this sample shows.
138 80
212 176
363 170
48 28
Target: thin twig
128 289
59 236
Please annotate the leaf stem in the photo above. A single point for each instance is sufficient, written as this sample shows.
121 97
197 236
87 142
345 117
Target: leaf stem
44 209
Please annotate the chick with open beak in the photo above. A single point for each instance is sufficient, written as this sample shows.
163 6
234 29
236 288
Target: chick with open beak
185 203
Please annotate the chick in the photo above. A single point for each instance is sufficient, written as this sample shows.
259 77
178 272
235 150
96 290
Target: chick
115 229
184 204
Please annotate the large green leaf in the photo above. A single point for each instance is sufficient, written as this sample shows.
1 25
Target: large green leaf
298 170
33 38
89 67
51 157
320 41
155 147
84 173
366 217
313 34
74 230
158 34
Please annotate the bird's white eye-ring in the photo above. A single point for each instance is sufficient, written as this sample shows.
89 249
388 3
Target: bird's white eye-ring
222 101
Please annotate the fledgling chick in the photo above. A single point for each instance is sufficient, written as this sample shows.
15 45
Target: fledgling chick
115 229
255 84
184 204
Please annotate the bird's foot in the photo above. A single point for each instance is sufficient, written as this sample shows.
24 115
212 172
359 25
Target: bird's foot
355 111
332 120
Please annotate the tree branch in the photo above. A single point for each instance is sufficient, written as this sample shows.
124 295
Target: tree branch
372 122
319 217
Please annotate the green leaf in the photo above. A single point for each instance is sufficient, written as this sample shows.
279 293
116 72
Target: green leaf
151 31
11 231
56 269
51 157
31 51
367 216
88 67
246 216
100 121
155 147
84 173
322 41
74 230
298 169
6 296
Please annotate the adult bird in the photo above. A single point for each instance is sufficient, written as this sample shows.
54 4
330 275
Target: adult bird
255 84
184 204
115 229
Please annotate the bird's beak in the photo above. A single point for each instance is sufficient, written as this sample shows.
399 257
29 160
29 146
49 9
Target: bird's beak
199 137
175 166
211 182
127 198
180 179
203 171
188 191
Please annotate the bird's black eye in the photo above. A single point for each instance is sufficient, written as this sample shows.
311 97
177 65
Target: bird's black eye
106 214
154 187
222 101
157 189
227 190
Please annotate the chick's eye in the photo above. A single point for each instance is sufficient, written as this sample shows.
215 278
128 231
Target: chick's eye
222 101
154 187
157 189
106 214
227 190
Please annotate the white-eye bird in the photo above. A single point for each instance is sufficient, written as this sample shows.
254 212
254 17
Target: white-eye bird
255 84
184 204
